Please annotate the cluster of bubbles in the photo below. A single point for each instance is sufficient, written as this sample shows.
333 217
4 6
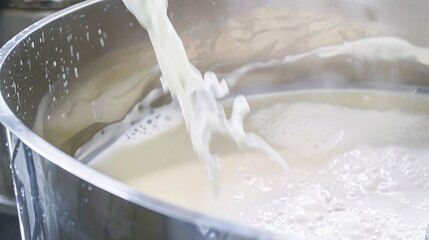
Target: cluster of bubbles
321 212
365 190
386 171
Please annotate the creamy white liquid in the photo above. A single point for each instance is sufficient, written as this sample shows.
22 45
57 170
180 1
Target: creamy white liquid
197 97
359 165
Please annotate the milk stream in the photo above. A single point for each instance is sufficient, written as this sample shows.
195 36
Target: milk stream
197 96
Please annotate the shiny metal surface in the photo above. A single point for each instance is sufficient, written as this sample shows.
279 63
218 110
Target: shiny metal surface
61 198
12 21
7 196
14 17
37 5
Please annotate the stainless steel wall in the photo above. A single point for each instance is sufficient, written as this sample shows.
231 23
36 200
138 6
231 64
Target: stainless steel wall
12 21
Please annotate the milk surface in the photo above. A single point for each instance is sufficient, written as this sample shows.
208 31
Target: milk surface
358 161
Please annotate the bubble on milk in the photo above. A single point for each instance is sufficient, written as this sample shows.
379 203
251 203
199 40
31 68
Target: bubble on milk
384 171
157 121
352 224
142 122
331 212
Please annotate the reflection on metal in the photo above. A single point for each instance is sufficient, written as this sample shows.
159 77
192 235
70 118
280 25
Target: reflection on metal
15 15
12 21
29 206
7 196
7 205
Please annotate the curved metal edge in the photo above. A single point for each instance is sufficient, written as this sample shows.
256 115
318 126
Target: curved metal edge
70 164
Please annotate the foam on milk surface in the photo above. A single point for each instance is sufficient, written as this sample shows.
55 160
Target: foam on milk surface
362 174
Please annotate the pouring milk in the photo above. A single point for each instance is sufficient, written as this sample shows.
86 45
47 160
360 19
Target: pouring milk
203 114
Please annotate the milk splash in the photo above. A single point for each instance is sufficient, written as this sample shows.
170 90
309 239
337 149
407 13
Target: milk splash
197 96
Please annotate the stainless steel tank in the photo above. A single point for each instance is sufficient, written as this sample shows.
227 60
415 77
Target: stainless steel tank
16 15
7 197
12 21
61 198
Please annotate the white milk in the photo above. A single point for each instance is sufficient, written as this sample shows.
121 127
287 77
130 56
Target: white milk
359 165
197 97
